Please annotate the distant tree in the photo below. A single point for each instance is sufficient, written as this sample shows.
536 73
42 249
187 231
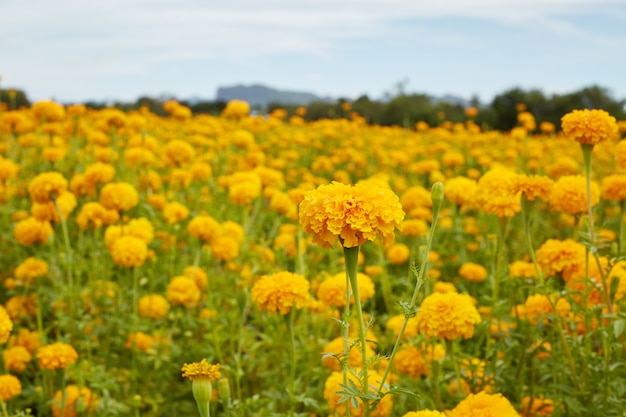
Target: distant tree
14 98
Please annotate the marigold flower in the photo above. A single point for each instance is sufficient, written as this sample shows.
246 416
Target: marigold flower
225 248
589 127
332 291
413 361
538 308
47 186
119 196
10 387
203 227
557 256
613 187
201 371
56 356
424 413
447 316
48 110
179 152
335 348
569 194
6 325
352 214
533 186
29 269
72 400
153 306
537 407
461 191
16 358
96 215
26 338
473 272
522 269
281 291
495 193
129 251
333 385
140 228
236 109
484 405
99 173
198 275
65 202
183 291
398 253
174 212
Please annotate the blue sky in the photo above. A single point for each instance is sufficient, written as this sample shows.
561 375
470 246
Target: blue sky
78 50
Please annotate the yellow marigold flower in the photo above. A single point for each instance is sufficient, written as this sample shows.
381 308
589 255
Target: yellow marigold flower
537 407
287 243
352 214
332 290
613 187
20 306
48 110
333 385
10 387
522 269
99 173
29 269
179 152
589 127
119 196
335 349
395 323
620 155
225 248
174 212
96 215
143 342
47 186
424 413
198 275
30 231
129 251
441 286
538 308
569 194
73 401
413 361
236 109
413 227
6 325
202 370
495 193
484 405
56 356
557 256
153 306
533 186
448 316
66 203
280 292
26 338
244 191
473 272
461 191
16 358
8 169
203 227
398 253
183 291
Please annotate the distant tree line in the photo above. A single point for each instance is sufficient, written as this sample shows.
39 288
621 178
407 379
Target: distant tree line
403 109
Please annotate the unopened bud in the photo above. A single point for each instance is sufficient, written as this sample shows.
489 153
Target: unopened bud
436 193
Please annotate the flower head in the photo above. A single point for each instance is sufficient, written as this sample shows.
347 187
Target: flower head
154 306
10 387
447 316
6 325
332 291
70 401
354 214
281 291
589 127
129 251
119 196
56 356
47 186
333 386
569 194
201 370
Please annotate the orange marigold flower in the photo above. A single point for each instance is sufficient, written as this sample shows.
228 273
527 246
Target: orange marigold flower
398 253
620 155
613 187
203 227
119 196
26 338
332 291
16 358
30 231
95 214
537 407
72 400
522 269
473 272
66 203
47 186
538 308
484 405
6 325
557 256
99 173
461 191
533 186
225 248
589 127
174 212
495 193
413 361
183 291
30 269
56 356
153 306
10 387
447 316
569 194
281 291
334 350
129 251
354 214
236 109
332 386
202 370
414 227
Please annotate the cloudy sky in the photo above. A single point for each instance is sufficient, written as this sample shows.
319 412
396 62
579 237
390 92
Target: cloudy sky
77 50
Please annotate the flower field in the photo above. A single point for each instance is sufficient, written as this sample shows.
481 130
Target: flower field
268 266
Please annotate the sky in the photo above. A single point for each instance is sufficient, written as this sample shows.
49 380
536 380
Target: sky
80 50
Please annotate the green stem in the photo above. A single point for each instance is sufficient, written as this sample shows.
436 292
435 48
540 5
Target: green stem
352 256
587 157
457 372
294 357
622 227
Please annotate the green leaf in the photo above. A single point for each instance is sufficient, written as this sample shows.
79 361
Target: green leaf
618 327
